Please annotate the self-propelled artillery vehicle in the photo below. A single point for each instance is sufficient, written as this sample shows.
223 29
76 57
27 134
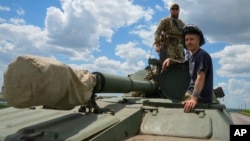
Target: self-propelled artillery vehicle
155 114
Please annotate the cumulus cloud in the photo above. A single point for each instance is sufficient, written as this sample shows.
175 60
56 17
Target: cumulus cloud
81 23
13 35
234 61
2 20
17 21
74 30
132 55
158 7
4 8
222 21
236 93
100 64
146 33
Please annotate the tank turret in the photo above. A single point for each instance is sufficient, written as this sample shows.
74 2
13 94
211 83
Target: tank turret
172 84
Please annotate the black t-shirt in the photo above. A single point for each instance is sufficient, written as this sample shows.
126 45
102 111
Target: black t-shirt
201 61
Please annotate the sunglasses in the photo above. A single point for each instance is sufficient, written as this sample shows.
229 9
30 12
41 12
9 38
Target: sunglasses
174 8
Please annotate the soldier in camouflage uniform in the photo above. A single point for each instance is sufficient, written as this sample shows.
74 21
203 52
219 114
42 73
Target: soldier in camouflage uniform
168 39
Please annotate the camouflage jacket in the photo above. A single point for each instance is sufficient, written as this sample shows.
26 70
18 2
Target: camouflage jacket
168 26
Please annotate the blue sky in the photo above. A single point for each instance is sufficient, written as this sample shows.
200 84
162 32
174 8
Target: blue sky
116 36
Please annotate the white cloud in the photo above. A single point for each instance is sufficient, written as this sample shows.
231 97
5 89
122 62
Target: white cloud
234 61
132 55
221 21
158 7
5 46
130 51
4 8
2 20
237 93
22 38
146 33
81 23
17 21
148 14
73 31
101 64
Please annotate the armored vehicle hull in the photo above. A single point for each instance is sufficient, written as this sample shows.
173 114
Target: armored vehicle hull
125 118
156 114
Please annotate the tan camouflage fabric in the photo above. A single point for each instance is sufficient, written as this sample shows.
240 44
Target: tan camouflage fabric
34 81
168 35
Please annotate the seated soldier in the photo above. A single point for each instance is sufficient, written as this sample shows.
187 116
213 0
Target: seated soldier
200 68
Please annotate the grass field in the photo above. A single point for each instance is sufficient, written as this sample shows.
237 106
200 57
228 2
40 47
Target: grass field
3 106
245 112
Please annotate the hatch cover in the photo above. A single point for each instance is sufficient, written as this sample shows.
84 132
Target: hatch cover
174 81
174 122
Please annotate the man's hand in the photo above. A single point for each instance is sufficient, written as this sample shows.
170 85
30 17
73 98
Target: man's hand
189 105
166 63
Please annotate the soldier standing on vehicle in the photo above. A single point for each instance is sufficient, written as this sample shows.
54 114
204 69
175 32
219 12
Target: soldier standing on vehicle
168 39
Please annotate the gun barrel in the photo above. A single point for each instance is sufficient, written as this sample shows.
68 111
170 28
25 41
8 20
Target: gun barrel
108 83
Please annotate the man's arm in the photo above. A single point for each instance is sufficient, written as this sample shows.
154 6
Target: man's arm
189 105
199 83
167 62
158 32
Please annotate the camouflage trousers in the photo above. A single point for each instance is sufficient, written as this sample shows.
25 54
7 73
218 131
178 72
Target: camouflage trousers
176 51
